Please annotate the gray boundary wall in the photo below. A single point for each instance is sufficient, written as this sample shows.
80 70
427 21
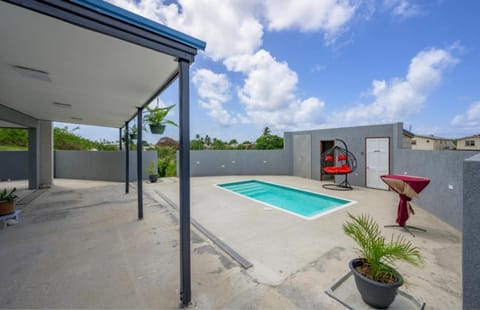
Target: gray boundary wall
471 232
240 162
443 197
14 165
99 165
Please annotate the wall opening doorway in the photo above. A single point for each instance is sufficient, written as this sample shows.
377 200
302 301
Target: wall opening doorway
324 146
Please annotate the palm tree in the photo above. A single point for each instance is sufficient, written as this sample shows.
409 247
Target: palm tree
266 131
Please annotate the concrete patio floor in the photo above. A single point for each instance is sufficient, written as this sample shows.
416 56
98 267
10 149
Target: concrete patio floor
79 245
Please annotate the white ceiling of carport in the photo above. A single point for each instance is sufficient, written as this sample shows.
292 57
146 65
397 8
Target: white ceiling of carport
104 79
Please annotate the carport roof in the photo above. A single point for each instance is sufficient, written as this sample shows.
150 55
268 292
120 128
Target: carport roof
84 61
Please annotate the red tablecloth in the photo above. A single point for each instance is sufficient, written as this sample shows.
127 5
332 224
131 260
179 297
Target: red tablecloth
407 187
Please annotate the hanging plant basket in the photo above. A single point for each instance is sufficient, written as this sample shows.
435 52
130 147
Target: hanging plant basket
157 129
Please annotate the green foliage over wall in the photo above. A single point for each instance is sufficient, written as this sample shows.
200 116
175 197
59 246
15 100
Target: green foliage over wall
18 137
63 139
269 142
167 157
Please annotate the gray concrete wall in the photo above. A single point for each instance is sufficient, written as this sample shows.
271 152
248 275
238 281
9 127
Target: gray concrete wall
443 197
302 160
241 162
355 139
99 165
471 232
14 165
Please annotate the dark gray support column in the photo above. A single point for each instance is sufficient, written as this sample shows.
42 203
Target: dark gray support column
120 139
139 164
33 158
184 165
127 158
471 232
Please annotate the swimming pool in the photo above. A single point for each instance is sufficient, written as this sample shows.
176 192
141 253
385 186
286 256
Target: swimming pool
305 204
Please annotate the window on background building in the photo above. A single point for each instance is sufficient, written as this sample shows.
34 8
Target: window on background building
469 142
414 142
428 141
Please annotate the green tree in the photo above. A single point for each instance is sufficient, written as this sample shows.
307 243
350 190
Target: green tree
233 141
218 144
167 156
197 145
269 142
13 137
266 131
208 141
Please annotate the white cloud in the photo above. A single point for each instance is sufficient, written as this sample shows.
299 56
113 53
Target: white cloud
309 15
236 27
269 93
403 8
469 119
215 90
401 97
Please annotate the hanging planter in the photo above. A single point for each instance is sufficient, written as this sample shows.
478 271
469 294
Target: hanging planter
134 133
157 129
156 119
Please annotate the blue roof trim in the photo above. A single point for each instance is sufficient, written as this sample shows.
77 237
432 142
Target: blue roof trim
124 15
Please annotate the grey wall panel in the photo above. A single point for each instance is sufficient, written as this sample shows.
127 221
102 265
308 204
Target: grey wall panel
443 197
302 160
471 232
99 165
355 139
14 165
248 162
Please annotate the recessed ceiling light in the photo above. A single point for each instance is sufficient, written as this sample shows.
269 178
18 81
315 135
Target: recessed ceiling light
77 118
32 73
63 105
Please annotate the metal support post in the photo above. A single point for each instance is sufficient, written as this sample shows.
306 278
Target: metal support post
185 264
139 164
127 159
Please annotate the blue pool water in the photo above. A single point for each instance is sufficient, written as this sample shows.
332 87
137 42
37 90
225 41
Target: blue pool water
302 203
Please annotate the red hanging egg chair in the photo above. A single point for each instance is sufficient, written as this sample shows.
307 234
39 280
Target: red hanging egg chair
338 161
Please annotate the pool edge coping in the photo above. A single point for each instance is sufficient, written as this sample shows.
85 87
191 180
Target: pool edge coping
314 217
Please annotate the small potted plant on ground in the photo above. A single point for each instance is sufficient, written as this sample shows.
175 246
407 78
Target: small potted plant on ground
156 119
152 173
375 279
7 201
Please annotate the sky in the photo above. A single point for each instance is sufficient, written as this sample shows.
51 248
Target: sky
311 64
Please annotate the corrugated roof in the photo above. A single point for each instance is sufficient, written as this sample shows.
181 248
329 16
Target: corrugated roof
139 21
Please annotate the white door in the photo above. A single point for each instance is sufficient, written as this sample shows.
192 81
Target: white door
377 161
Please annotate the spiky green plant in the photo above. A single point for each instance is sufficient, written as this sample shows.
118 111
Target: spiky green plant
8 196
377 253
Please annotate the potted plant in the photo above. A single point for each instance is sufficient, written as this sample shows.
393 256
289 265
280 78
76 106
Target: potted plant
152 173
156 119
133 132
375 279
7 201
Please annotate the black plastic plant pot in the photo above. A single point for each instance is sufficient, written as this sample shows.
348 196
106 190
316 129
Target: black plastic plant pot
157 129
376 294
153 178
